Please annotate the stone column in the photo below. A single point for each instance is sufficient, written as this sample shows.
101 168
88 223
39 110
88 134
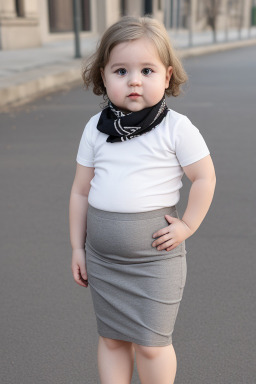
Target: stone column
7 9
158 12
109 12
19 32
247 13
30 8
192 20
134 7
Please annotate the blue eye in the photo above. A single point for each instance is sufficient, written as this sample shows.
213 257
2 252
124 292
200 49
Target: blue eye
121 71
146 71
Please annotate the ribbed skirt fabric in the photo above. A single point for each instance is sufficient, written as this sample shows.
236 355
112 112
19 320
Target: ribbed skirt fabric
136 289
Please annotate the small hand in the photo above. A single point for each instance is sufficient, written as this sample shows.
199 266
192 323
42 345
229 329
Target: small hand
78 267
172 235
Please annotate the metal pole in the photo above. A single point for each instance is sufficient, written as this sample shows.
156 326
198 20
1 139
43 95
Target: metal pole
167 14
76 18
190 35
171 14
178 15
226 20
250 18
240 19
215 9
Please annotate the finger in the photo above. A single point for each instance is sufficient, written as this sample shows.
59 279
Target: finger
165 245
75 271
161 232
161 239
83 272
78 278
82 282
170 219
173 246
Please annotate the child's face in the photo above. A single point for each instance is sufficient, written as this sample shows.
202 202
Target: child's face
135 78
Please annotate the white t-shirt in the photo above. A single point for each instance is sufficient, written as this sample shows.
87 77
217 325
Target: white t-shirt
144 173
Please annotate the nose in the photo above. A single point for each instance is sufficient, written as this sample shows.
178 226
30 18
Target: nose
135 79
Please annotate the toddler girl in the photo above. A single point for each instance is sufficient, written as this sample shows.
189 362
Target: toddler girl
127 238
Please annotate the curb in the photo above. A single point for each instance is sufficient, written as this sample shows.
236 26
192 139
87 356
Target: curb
19 94
23 93
220 47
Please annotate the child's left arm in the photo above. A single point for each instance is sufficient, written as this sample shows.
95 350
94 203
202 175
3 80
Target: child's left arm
202 176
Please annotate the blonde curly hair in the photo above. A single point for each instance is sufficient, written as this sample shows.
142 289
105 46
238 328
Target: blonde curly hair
127 29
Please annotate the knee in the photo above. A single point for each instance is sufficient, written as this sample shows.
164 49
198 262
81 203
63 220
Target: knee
113 344
148 352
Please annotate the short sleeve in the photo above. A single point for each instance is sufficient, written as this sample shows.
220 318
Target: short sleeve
85 154
190 145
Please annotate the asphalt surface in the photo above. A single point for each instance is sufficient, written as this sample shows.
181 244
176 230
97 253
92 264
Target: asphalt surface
48 328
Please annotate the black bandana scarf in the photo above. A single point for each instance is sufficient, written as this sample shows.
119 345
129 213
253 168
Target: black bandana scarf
121 127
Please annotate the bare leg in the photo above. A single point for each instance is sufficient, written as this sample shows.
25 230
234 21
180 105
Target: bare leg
156 364
115 361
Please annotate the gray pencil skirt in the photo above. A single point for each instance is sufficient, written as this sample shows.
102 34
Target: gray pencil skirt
136 289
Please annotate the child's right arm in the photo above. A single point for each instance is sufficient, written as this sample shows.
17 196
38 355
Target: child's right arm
78 207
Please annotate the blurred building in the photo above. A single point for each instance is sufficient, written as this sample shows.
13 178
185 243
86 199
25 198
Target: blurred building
30 23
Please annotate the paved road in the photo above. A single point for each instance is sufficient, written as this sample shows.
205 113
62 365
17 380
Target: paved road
48 329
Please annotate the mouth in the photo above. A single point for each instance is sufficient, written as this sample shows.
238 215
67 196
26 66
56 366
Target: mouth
134 95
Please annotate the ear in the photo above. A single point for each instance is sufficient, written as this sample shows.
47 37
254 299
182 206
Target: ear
168 76
102 76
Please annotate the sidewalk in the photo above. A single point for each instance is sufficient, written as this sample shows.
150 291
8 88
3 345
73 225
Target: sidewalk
29 73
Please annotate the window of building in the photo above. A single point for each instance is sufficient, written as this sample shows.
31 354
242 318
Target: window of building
123 8
85 15
19 7
148 7
61 15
